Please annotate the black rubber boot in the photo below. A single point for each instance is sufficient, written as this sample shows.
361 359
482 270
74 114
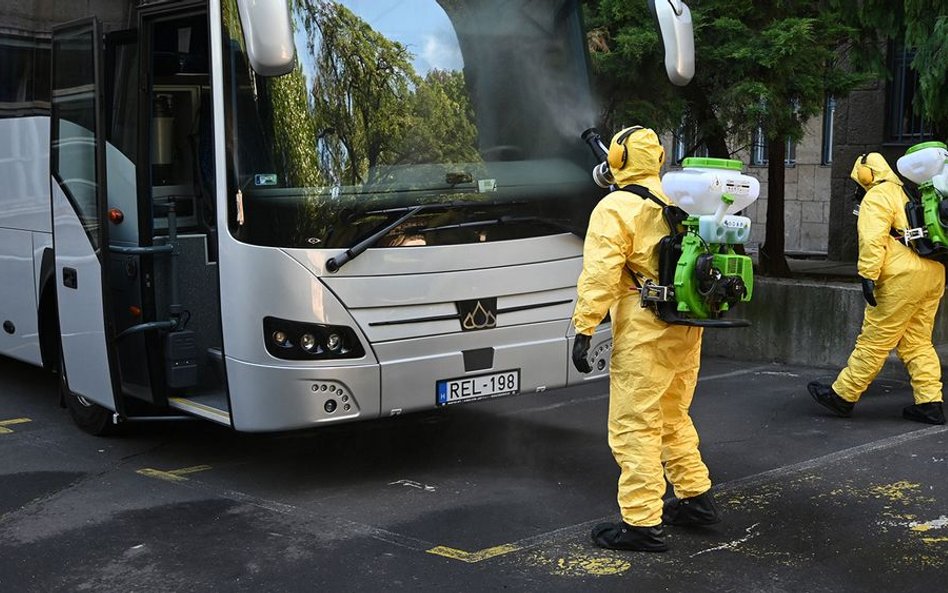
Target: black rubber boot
930 413
622 536
829 399
692 511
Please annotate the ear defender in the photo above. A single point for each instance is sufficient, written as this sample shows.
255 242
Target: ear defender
863 173
618 153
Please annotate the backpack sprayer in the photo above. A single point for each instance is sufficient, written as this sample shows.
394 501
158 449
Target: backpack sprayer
926 165
701 277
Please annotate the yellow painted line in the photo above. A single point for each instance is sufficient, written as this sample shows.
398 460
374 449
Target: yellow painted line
11 422
935 540
472 557
174 475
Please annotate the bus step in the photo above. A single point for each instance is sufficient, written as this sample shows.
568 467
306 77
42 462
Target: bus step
210 406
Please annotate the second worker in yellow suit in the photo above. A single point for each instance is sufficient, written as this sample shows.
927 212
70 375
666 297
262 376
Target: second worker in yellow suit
654 366
902 290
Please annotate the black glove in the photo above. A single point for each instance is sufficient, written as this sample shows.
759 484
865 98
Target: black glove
580 350
868 288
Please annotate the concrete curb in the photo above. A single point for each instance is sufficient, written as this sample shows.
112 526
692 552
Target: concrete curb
805 322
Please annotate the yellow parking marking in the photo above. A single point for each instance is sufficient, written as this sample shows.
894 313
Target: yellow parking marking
576 560
11 422
174 475
472 557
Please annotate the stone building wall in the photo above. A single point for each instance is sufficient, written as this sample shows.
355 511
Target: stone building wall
860 128
806 197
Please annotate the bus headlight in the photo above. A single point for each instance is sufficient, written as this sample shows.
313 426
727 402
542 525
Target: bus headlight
280 338
297 340
308 342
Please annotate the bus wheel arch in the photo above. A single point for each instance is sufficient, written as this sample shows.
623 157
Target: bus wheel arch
88 416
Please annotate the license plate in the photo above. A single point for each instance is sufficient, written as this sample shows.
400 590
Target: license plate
465 389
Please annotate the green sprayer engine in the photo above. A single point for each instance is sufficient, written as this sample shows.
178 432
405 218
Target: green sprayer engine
701 276
926 165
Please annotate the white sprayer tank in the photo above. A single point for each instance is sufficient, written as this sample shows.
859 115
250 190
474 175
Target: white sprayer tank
926 162
712 190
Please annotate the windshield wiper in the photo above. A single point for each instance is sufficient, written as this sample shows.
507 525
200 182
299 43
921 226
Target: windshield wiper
554 222
334 263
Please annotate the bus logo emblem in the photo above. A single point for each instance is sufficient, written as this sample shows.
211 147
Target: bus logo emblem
477 314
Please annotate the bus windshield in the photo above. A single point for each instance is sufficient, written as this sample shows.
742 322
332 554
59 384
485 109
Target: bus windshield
398 103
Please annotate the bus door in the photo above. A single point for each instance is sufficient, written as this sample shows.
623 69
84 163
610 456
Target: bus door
78 193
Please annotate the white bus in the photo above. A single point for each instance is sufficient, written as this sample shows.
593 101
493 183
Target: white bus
279 214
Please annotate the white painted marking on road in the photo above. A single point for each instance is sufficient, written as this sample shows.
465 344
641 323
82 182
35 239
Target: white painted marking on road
843 455
754 480
939 523
413 484
732 545
736 373
598 396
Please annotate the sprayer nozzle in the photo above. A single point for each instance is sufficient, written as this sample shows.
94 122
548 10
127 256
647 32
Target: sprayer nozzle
592 138
590 133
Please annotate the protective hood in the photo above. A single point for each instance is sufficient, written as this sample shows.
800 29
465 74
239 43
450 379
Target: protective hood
879 168
635 157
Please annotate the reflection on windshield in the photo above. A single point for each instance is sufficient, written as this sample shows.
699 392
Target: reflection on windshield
405 102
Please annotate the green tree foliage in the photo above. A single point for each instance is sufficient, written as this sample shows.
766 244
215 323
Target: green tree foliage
355 105
442 117
361 86
767 65
922 27
345 122
926 30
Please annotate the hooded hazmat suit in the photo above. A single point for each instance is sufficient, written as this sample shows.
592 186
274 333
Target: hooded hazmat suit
654 365
908 289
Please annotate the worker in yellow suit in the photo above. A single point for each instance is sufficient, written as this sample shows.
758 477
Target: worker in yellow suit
654 366
902 291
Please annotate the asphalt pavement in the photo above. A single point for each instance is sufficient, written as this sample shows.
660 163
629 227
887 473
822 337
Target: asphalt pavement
490 496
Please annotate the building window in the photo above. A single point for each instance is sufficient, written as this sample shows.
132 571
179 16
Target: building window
759 148
829 115
903 124
686 142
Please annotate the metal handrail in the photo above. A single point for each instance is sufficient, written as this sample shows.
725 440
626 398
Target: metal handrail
143 327
142 250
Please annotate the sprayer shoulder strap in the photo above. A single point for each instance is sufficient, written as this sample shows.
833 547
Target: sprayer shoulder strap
646 194
672 214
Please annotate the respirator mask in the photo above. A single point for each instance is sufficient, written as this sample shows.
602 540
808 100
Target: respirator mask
601 173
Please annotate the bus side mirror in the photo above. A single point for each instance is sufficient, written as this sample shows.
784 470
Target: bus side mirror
674 22
268 36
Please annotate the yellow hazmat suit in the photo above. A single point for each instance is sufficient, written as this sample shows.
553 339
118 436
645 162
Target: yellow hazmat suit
654 365
908 289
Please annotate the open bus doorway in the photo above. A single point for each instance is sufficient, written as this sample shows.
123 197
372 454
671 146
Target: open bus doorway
151 229
179 190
